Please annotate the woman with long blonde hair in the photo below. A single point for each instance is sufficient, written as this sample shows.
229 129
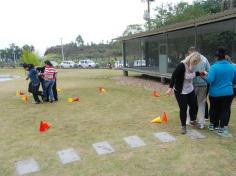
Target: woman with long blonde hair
182 85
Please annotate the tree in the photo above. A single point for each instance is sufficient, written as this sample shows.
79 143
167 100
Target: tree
132 29
79 40
28 47
171 14
29 57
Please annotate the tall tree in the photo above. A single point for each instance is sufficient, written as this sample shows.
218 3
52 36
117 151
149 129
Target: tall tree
132 29
79 40
29 57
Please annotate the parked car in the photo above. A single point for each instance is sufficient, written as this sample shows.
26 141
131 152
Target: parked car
119 64
67 64
139 63
87 63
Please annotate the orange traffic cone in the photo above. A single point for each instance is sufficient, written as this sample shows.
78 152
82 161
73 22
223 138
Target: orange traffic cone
25 98
164 117
156 94
44 126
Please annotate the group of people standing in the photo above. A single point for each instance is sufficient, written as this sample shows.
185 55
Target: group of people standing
46 76
193 79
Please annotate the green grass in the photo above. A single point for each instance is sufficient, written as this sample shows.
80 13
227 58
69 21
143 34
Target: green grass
120 112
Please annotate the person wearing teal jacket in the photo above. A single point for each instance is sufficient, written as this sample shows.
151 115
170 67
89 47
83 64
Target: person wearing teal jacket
220 77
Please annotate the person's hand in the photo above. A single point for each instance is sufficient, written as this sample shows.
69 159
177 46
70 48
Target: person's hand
169 91
203 74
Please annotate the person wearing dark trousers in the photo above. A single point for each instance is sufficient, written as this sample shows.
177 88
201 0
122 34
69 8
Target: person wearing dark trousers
182 84
34 82
40 70
54 89
220 77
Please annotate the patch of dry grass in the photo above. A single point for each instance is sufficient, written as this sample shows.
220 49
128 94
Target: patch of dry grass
121 112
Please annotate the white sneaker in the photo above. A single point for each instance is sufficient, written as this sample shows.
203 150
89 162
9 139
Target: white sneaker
200 126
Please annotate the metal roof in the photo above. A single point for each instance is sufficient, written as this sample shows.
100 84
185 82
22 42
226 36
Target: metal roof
221 16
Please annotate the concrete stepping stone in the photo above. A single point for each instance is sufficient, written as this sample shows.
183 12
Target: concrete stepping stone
194 134
103 148
68 155
164 137
134 141
27 166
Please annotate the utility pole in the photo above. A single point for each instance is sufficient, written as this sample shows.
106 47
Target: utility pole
62 52
147 13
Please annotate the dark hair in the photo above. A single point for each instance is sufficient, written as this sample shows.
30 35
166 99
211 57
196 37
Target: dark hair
220 53
25 65
47 62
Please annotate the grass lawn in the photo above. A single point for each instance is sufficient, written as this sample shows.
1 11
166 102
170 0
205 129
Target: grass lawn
122 111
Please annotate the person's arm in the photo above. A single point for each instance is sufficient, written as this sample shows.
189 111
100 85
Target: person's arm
190 76
210 77
176 74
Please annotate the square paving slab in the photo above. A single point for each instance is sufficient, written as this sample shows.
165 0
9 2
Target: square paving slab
164 137
193 134
27 166
68 155
103 148
134 141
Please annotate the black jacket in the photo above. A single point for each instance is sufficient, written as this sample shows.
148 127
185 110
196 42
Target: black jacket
177 79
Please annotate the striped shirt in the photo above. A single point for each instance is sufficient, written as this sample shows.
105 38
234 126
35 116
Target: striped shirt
49 73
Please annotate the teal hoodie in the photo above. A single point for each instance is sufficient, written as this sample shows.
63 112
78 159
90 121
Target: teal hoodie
220 77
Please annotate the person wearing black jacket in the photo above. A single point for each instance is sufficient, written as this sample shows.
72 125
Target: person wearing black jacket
34 82
182 84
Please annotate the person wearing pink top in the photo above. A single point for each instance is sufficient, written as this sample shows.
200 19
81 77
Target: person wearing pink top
49 80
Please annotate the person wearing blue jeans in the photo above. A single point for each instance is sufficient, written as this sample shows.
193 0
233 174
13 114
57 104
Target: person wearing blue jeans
48 84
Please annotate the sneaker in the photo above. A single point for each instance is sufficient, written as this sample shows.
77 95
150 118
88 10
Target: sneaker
183 130
223 132
211 127
200 126
36 102
193 123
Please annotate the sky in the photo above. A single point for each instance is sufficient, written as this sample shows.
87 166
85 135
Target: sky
42 23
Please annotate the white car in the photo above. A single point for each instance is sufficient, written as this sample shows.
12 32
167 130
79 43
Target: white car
87 63
119 64
139 63
67 64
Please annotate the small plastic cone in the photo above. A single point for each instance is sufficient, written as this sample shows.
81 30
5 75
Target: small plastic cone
76 99
156 120
44 126
17 93
156 94
70 100
41 127
102 90
25 98
164 117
